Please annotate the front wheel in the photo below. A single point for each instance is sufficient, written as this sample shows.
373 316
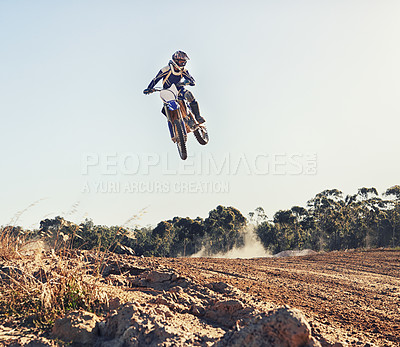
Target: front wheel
180 141
201 135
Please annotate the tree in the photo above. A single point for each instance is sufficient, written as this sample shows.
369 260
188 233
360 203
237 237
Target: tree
224 229
258 216
59 233
142 245
266 232
327 210
162 239
284 229
188 235
359 218
394 213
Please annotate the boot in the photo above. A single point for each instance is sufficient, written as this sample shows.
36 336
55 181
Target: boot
190 122
194 105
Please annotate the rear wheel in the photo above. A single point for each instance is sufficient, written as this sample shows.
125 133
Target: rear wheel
201 135
180 141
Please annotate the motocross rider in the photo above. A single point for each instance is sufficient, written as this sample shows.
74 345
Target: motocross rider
173 74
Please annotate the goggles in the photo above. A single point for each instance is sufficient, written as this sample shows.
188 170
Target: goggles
180 62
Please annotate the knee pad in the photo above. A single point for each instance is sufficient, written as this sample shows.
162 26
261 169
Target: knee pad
189 96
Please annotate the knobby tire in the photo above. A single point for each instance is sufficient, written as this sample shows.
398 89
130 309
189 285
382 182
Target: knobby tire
201 135
180 142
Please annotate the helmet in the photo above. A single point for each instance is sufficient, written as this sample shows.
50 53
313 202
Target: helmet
179 59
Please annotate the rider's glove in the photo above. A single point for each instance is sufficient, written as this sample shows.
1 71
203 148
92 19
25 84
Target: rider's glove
147 91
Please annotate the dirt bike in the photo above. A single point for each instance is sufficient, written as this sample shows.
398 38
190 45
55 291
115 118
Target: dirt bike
181 120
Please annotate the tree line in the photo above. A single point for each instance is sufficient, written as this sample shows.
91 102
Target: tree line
330 221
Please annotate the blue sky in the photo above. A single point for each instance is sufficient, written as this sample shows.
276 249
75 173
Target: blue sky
299 96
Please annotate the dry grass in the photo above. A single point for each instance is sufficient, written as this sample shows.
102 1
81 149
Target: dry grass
36 289
44 283
8 243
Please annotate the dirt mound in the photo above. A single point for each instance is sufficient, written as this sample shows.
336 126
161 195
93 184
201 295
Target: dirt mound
181 312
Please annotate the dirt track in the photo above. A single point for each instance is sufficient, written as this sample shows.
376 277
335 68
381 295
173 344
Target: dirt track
349 297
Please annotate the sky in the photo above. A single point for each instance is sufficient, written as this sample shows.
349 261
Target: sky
298 97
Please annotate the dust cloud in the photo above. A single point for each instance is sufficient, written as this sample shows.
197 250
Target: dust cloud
252 249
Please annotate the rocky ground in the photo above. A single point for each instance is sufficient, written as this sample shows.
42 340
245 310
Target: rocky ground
322 299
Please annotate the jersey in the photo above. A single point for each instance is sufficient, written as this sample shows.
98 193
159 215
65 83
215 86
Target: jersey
170 77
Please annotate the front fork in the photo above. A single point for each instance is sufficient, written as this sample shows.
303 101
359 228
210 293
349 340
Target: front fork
171 130
171 117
